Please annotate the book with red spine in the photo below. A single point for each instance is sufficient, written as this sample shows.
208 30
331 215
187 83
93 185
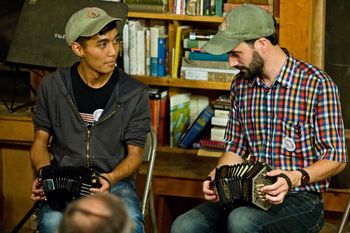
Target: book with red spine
211 144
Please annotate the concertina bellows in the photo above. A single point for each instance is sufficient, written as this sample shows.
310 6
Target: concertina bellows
241 183
65 184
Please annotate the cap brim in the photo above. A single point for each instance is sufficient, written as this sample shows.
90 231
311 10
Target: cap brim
90 31
220 44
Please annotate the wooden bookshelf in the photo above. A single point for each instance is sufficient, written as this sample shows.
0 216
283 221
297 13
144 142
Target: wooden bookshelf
183 83
171 16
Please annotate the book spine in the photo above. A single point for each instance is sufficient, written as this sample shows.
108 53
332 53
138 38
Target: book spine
177 52
257 2
154 49
126 48
196 128
163 127
141 55
189 44
207 57
217 133
221 113
156 2
210 144
155 110
148 52
207 64
138 7
219 121
132 47
162 54
181 33
218 7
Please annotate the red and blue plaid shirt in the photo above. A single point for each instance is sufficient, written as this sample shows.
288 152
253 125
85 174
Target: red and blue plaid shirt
290 125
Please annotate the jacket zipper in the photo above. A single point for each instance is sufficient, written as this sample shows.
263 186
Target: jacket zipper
88 148
88 131
89 134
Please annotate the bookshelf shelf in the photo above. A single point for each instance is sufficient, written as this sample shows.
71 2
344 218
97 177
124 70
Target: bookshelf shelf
176 150
170 16
172 82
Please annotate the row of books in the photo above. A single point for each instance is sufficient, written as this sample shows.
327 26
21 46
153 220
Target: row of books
186 120
193 7
159 6
144 49
191 62
198 7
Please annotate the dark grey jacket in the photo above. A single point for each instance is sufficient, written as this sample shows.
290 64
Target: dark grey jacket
125 120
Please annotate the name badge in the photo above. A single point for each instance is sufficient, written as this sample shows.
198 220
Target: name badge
288 144
97 113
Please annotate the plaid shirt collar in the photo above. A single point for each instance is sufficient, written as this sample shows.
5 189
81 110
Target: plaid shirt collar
283 77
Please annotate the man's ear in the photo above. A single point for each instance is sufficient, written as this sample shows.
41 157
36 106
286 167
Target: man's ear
77 49
261 45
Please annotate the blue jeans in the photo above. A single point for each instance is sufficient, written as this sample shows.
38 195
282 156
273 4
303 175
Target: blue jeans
299 213
49 219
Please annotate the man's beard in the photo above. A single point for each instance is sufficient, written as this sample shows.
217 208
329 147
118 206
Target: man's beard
254 69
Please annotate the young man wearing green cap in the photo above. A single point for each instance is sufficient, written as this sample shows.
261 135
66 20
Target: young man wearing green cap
93 115
285 113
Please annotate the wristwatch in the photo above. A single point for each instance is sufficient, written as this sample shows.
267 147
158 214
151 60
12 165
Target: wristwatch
305 178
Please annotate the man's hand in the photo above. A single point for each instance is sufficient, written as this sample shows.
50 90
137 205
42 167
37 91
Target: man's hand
209 190
276 192
38 193
105 184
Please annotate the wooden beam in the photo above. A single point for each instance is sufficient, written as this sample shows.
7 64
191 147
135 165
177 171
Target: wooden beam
318 33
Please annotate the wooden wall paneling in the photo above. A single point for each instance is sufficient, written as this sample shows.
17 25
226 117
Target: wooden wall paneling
295 27
16 184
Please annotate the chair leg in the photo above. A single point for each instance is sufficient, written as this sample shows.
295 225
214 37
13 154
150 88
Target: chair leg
345 217
152 212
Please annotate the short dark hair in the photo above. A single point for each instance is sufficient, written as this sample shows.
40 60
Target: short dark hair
109 27
110 217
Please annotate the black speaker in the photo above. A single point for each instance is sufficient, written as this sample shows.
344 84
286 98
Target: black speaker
39 39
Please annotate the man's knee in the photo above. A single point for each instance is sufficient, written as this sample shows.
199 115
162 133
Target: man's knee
180 225
241 221
50 222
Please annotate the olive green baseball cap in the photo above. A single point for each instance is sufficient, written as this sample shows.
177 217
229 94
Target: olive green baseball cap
246 22
86 22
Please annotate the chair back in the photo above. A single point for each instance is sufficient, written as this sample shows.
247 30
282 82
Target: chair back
149 157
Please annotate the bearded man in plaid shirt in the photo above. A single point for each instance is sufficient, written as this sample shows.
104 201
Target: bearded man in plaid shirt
284 112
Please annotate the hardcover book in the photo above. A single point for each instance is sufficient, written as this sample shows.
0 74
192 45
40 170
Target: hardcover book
195 55
195 129
211 144
181 33
159 103
179 116
162 55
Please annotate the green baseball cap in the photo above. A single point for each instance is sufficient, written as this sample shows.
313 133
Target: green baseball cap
246 22
86 22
